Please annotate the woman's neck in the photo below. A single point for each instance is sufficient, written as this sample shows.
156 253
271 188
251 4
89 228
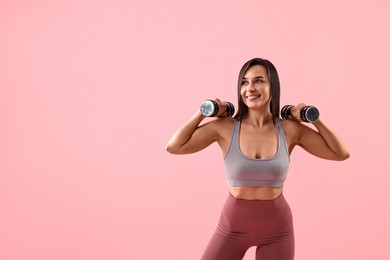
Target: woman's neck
258 118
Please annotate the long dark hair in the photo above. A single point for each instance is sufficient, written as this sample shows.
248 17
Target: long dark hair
274 86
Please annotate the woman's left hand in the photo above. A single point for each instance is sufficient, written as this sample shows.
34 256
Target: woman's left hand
296 112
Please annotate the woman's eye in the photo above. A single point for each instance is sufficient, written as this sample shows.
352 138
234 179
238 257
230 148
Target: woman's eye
244 83
259 81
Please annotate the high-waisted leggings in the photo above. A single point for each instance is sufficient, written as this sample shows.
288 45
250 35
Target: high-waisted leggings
266 224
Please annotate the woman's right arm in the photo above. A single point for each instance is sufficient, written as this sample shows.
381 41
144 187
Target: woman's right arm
191 137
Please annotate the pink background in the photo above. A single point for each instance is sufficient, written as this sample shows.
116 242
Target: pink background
91 91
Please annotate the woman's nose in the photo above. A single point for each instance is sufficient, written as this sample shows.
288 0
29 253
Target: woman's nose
250 88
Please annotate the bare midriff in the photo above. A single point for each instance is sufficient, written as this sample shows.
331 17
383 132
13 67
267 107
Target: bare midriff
255 193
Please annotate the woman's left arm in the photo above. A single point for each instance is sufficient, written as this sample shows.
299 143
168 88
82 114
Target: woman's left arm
323 143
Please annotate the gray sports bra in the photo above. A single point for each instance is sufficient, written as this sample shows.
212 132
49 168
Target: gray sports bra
241 170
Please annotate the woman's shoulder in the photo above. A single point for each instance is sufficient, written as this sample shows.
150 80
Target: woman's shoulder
288 122
291 126
222 125
293 129
223 122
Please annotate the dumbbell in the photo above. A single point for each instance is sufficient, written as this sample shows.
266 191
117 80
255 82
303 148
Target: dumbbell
309 114
210 108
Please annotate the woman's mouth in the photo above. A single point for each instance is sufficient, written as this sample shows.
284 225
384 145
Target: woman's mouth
252 97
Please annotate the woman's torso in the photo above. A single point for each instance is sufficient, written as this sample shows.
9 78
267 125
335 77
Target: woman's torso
257 142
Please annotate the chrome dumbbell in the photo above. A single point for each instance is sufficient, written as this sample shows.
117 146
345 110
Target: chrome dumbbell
309 114
210 108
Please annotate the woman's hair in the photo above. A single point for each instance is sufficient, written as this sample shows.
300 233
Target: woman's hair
274 83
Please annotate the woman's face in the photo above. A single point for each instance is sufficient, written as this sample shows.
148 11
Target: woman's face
255 88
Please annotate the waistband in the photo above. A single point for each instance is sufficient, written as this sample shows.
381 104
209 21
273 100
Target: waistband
256 209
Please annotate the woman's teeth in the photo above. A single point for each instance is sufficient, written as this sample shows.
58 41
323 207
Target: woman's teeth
253 97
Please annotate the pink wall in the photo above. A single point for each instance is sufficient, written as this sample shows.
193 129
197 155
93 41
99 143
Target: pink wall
91 91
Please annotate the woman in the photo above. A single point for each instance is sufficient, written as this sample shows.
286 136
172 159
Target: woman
256 145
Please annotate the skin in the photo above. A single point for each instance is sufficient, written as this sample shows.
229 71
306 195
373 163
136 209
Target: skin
258 134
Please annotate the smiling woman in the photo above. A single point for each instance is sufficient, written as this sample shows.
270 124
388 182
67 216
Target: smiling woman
258 73
256 145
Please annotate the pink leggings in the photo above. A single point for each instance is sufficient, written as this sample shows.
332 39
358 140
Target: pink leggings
266 224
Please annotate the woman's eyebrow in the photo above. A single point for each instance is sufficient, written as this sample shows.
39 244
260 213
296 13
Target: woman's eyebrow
257 77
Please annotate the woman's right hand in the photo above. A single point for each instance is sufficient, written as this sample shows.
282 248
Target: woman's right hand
222 108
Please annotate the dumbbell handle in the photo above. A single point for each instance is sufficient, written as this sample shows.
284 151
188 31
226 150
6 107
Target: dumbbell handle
308 114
